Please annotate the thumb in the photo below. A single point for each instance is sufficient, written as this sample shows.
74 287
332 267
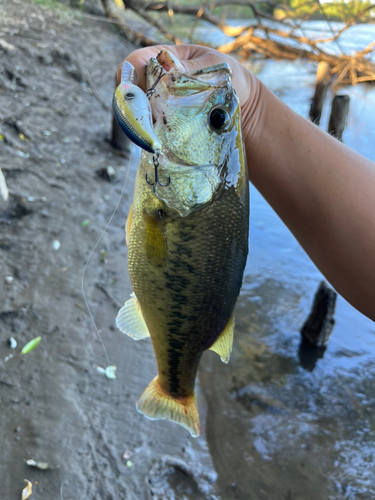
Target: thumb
185 58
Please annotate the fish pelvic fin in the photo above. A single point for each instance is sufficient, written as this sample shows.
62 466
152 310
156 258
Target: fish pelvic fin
155 403
223 345
130 320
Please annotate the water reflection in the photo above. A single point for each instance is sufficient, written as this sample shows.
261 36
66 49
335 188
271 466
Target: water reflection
282 423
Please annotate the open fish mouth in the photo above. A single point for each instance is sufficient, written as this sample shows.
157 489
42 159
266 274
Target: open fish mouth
165 69
191 110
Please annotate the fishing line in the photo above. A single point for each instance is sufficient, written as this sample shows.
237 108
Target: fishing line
61 489
92 253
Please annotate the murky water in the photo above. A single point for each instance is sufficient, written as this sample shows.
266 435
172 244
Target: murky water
280 425
353 39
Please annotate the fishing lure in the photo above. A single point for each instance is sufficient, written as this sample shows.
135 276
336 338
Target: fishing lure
133 112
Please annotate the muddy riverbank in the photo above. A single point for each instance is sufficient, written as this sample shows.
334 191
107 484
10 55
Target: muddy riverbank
271 429
55 406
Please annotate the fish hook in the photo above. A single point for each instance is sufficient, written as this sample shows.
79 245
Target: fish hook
150 92
154 184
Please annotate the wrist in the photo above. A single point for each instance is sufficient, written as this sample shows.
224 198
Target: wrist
253 114
268 126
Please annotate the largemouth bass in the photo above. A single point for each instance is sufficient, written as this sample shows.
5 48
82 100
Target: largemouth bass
187 230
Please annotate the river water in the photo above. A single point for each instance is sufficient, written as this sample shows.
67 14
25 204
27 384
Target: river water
281 426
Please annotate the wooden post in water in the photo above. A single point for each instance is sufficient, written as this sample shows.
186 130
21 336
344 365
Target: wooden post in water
118 138
339 116
317 327
323 75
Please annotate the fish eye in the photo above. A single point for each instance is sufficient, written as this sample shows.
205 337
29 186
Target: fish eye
129 96
218 118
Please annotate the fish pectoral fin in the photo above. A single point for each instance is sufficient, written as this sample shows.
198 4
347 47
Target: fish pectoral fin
155 403
223 345
130 320
128 225
155 242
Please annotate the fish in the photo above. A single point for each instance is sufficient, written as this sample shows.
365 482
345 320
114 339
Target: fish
187 228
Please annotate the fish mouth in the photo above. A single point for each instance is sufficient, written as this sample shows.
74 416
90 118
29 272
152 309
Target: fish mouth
169 85
180 82
159 66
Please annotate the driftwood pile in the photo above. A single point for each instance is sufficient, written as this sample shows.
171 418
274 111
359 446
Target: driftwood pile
277 38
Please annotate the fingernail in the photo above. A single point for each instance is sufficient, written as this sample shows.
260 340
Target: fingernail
177 63
169 61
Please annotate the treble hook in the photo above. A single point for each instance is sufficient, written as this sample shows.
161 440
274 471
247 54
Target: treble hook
154 184
150 92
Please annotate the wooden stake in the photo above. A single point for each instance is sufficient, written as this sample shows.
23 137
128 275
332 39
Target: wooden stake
339 116
319 325
323 75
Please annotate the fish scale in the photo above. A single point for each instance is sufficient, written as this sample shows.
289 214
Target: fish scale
193 298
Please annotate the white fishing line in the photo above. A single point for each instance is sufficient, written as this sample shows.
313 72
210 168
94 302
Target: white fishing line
61 489
92 253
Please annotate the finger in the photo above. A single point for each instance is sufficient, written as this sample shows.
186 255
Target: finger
191 57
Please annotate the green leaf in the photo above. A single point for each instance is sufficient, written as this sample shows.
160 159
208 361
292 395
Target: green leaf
30 346
85 223
103 254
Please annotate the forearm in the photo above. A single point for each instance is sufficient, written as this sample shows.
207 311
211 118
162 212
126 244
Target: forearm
322 190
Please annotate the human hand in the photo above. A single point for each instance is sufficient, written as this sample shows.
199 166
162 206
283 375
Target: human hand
192 57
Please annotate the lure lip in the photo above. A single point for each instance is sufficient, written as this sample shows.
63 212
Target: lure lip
128 73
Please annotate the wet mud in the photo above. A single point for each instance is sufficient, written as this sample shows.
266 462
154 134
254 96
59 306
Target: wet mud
271 428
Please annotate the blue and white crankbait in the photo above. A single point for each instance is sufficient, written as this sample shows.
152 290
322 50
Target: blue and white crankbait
133 112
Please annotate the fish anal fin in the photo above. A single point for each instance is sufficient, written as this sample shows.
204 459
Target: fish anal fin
155 403
130 320
128 224
223 345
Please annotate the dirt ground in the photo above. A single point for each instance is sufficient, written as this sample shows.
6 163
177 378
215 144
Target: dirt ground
271 430
55 406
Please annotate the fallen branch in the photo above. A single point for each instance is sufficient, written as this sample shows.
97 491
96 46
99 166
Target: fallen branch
153 22
347 69
133 35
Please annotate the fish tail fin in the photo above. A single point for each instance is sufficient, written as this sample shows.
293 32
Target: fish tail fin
155 403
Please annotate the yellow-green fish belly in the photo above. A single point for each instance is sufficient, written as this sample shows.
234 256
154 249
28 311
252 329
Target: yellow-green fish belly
186 273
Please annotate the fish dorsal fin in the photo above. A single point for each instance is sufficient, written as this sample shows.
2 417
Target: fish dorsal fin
128 224
130 320
223 345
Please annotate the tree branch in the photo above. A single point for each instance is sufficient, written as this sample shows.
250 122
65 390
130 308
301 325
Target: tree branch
349 69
